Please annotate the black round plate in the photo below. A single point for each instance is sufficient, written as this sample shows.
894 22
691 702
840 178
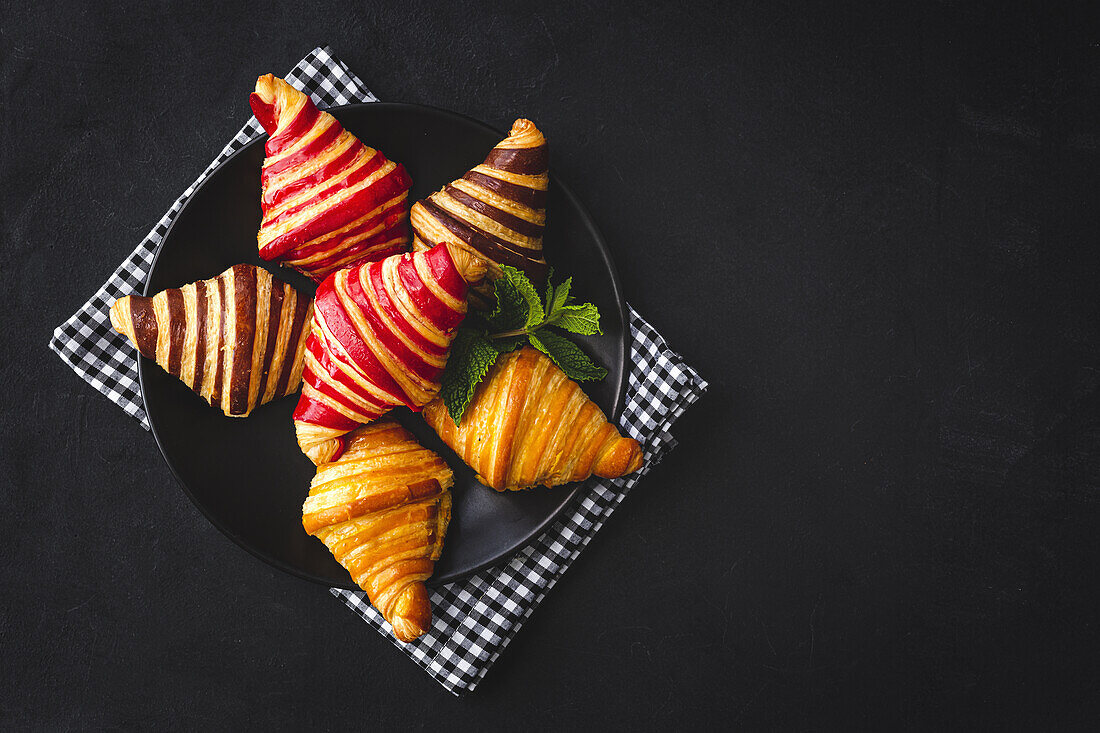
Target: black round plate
248 475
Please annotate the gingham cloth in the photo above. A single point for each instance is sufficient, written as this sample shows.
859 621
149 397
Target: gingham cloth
475 618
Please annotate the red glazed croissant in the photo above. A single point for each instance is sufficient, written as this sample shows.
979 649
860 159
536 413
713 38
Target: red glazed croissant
328 200
380 338
382 510
496 211
530 424
237 340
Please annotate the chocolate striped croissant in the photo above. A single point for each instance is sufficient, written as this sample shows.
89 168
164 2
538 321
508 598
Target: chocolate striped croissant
380 338
328 200
496 211
237 339
530 424
382 510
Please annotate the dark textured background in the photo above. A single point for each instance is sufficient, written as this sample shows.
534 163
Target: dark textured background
874 230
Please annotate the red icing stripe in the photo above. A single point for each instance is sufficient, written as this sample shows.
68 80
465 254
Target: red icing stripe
308 151
331 372
265 113
318 413
386 303
299 126
328 172
339 215
441 316
390 217
397 348
443 269
342 328
273 196
358 253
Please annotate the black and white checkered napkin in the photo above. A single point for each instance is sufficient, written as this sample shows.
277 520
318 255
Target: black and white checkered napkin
475 618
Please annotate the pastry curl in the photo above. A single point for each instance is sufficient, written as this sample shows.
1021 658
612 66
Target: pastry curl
529 424
382 510
237 340
496 211
380 338
328 200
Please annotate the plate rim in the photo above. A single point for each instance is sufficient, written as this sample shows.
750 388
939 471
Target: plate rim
567 499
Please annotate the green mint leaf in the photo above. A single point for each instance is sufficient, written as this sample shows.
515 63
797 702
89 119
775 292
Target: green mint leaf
582 319
561 298
549 299
512 310
567 355
472 355
518 281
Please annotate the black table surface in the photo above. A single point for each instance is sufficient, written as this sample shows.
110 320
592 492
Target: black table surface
873 229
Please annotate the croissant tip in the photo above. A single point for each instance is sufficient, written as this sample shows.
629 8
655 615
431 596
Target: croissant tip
412 616
117 309
407 630
470 267
522 125
623 458
265 87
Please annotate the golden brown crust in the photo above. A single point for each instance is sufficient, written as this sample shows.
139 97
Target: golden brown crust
237 340
529 424
382 509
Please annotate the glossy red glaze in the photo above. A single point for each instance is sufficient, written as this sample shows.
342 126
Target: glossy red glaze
275 196
331 372
265 113
341 214
387 305
318 413
330 264
278 142
325 173
441 316
305 153
397 348
343 330
443 268
388 220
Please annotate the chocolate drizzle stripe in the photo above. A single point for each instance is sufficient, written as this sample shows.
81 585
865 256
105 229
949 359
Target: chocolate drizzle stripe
492 247
177 329
301 307
216 395
274 322
519 160
244 304
511 221
531 197
144 320
200 335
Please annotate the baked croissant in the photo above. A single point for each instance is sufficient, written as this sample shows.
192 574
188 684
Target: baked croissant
382 510
380 338
237 339
328 200
496 211
529 424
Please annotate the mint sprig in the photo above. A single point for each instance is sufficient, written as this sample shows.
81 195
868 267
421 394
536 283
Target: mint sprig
520 317
476 355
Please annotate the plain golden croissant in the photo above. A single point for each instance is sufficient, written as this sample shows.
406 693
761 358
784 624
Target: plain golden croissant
328 200
380 338
496 211
382 510
238 339
529 424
